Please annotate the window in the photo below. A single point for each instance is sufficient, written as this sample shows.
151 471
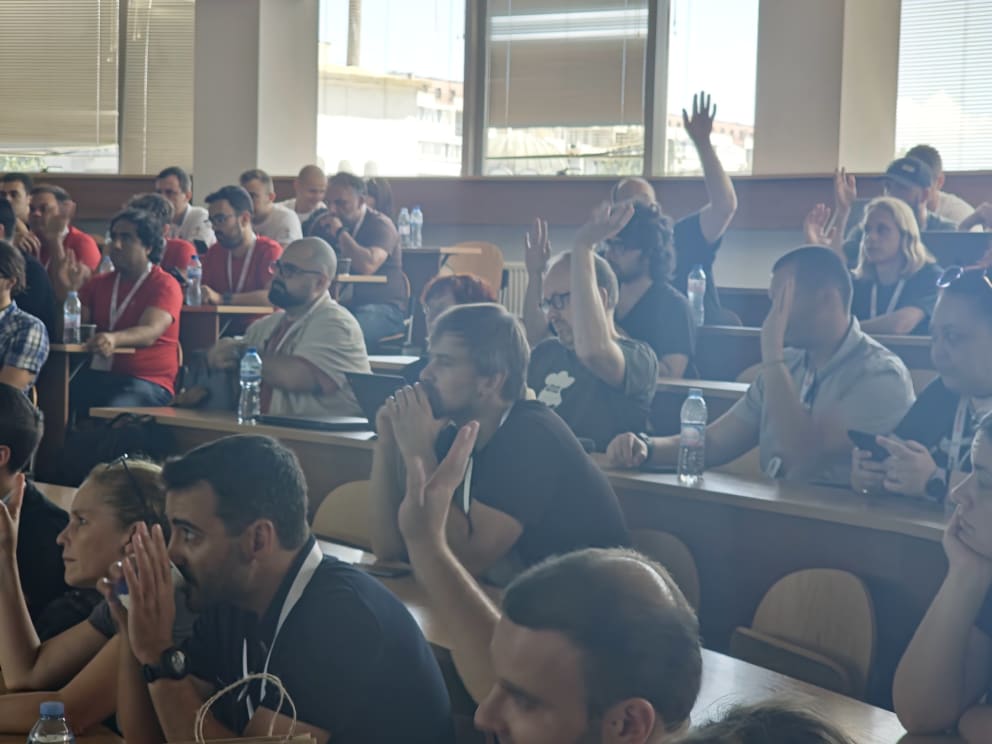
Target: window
390 89
945 80
566 87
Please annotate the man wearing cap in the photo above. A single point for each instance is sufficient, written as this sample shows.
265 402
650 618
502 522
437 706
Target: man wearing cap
908 179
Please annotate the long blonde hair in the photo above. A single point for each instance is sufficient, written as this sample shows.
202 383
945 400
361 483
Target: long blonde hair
911 245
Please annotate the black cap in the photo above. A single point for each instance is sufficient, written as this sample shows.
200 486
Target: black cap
911 172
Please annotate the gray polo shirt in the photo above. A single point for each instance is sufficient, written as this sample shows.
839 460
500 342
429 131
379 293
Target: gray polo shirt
864 386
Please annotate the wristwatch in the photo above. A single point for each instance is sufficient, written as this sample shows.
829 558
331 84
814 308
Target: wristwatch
227 297
648 444
172 665
936 487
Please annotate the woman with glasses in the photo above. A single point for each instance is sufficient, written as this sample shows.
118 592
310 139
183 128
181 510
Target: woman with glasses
80 664
930 449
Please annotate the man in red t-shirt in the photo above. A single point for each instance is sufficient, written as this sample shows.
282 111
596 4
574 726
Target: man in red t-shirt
52 210
136 306
178 253
237 268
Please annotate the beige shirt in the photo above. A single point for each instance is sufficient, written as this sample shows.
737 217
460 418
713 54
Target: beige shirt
329 338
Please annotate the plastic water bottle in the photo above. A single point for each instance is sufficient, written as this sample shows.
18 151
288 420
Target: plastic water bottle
52 727
417 228
692 443
194 278
250 401
72 317
696 290
403 226
106 265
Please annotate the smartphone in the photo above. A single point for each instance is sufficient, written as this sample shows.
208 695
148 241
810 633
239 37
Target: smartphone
386 570
865 441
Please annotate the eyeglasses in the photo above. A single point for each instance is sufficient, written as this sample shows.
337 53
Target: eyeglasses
558 301
220 219
135 486
290 271
953 274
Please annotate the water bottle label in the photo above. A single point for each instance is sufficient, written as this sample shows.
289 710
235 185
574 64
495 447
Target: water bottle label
404 229
693 435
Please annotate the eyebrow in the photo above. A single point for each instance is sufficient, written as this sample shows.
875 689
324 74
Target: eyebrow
184 524
518 691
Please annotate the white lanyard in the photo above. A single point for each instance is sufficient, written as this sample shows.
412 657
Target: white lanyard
896 294
467 489
295 325
244 270
296 589
957 437
807 391
116 311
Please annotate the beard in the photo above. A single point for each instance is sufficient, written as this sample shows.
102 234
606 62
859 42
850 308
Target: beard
280 296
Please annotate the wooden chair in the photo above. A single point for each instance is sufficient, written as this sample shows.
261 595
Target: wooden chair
488 264
343 516
673 554
816 625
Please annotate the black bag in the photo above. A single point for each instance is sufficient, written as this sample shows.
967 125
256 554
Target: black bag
97 441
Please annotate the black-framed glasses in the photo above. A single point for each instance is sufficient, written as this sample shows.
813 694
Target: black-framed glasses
290 271
953 274
135 486
220 218
558 301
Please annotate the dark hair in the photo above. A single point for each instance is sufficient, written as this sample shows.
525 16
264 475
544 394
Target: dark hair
21 427
60 194
149 228
650 232
256 174
8 220
495 341
22 178
973 286
236 196
818 267
928 155
349 180
767 723
134 489
636 633
185 182
380 190
154 204
253 477
12 266
465 288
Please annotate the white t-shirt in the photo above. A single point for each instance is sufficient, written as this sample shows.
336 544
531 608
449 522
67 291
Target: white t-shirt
196 226
953 208
304 216
282 225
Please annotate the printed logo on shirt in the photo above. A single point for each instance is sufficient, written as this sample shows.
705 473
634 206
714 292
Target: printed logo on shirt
554 385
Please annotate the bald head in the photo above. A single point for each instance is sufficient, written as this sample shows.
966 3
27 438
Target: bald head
306 270
312 253
636 190
309 186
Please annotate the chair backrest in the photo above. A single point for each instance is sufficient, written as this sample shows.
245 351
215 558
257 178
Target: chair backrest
487 264
343 516
674 555
820 614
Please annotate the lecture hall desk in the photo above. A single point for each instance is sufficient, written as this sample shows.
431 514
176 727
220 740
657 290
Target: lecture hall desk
201 325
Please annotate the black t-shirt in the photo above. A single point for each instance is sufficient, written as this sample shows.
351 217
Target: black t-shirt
592 408
920 290
38 298
350 655
534 470
931 422
39 558
662 319
691 250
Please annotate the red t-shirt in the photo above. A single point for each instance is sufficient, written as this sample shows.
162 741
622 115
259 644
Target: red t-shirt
178 253
258 276
158 363
82 245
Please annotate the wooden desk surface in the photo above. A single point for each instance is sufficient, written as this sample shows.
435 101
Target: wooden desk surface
391 362
361 279
82 349
228 310
710 388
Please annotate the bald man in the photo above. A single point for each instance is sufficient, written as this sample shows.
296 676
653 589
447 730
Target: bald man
592 646
308 345
309 186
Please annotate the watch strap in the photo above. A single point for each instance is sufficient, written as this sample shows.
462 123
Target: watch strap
167 667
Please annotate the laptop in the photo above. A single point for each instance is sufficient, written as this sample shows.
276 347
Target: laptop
371 392
957 248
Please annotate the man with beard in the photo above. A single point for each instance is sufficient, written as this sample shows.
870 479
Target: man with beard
308 345
530 490
347 651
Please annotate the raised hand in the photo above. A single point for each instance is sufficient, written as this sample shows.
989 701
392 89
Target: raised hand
815 226
537 248
605 221
777 320
845 190
699 126
10 517
73 273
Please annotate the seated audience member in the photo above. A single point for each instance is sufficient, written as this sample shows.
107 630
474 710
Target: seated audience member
39 521
188 222
51 211
308 345
36 297
820 377
532 491
270 220
946 671
16 188
767 723
594 645
380 196
895 281
598 381
370 240
309 187
980 218
79 665
447 290
236 269
135 306
946 206
930 449
178 252
907 179
23 338
341 643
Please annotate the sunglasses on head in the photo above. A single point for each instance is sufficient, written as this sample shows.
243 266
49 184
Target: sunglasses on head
135 486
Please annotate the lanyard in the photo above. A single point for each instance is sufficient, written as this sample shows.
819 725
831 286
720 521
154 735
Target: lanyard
467 489
116 311
807 391
296 324
244 270
873 310
957 437
296 589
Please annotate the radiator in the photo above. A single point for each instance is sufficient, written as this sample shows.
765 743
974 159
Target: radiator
516 286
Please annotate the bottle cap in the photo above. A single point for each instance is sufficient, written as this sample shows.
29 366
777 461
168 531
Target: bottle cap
698 392
52 709
252 350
